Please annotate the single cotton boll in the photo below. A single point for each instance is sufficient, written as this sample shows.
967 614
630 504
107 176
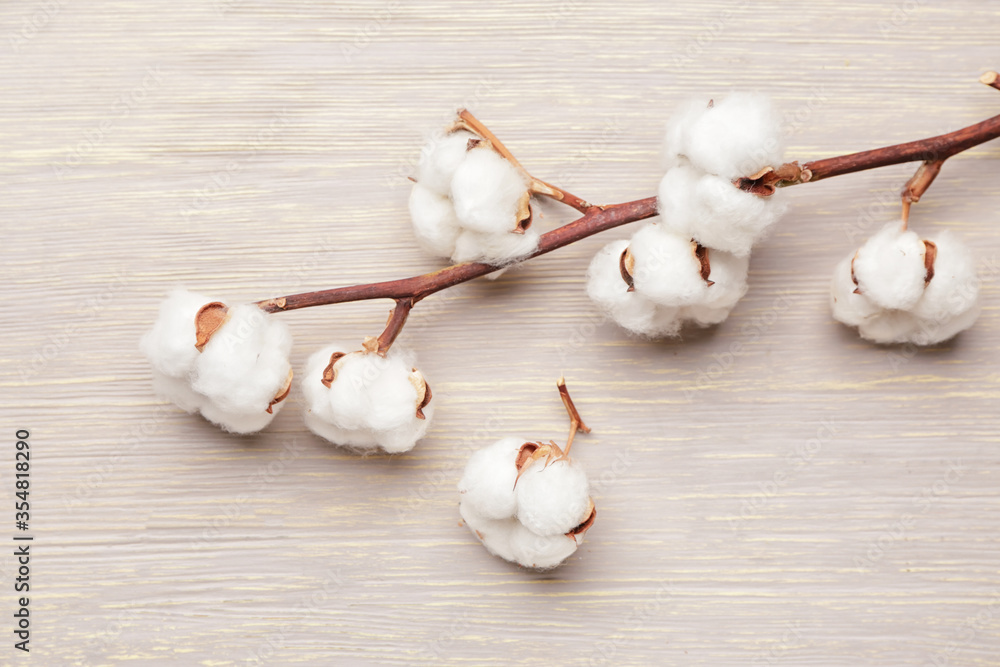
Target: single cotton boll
713 211
488 481
434 221
488 192
729 277
889 268
737 136
497 249
170 344
440 158
245 363
666 270
553 498
370 402
630 310
541 552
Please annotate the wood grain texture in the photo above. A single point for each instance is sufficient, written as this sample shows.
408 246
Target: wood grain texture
773 491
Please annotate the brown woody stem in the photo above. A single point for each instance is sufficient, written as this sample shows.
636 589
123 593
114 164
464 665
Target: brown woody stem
991 79
918 184
397 318
575 420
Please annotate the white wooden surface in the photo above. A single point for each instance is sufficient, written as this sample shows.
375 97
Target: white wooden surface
808 500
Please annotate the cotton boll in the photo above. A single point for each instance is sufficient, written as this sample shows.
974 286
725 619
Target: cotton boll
630 310
552 498
728 277
540 552
488 192
170 344
440 158
666 269
371 400
713 211
497 248
245 363
488 481
737 136
434 221
889 268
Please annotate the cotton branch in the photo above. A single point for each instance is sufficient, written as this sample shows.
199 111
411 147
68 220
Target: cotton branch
991 79
932 152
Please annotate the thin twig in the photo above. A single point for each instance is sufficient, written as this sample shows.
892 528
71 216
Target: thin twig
575 420
917 186
397 318
991 79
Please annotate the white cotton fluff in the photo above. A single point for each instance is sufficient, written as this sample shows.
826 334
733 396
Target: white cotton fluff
434 221
487 190
630 310
494 249
552 499
737 136
947 305
371 403
890 269
669 287
488 481
170 344
237 375
713 211
525 520
440 158
466 203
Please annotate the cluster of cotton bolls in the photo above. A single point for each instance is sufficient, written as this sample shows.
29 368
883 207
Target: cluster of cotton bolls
470 203
230 364
898 288
366 401
526 502
691 266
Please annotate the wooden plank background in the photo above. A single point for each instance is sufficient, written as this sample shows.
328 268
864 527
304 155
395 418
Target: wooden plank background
807 500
